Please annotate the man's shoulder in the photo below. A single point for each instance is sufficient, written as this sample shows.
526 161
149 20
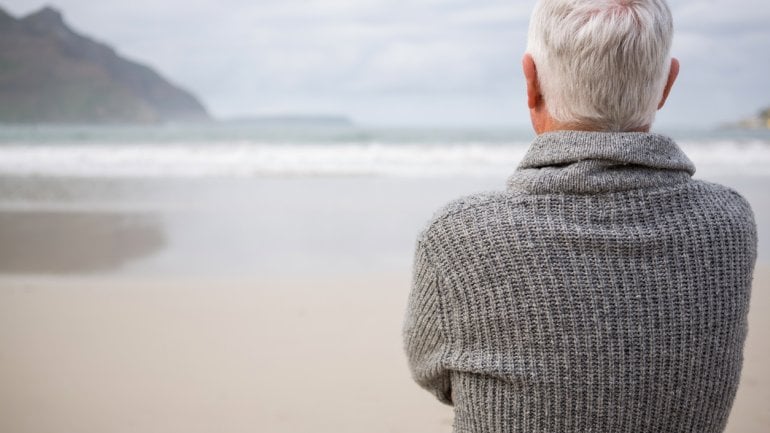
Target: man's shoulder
723 196
726 205
464 210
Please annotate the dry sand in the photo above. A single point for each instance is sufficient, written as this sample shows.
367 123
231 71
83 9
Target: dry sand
84 356
99 355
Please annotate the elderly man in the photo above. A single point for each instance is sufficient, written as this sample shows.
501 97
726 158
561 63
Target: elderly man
604 290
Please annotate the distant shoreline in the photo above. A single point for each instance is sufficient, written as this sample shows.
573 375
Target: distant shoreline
761 121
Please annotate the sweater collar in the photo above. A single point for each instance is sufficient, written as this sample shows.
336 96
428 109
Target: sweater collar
583 162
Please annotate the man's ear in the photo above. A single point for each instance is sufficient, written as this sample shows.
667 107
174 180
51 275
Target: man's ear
672 74
533 85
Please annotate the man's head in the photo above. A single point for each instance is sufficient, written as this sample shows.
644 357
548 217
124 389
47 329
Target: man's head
598 64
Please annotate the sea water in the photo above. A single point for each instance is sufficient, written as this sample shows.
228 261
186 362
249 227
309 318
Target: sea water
236 150
236 199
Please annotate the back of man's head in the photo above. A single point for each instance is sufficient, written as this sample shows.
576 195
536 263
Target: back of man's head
602 64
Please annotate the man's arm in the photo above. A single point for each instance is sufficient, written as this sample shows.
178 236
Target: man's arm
425 338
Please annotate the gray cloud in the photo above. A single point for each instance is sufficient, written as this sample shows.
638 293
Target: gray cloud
424 61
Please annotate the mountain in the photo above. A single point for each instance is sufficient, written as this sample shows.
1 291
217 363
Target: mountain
51 74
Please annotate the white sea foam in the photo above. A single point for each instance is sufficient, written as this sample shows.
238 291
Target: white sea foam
726 157
248 159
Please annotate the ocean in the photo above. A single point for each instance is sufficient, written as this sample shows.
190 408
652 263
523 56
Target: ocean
233 199
244 151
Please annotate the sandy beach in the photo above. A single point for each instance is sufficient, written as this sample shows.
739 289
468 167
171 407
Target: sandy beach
284 356
322 355
269 305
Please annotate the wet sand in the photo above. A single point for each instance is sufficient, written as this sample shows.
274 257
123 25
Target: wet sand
66 242
290 355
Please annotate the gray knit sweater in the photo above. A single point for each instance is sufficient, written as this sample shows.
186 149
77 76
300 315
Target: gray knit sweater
603 291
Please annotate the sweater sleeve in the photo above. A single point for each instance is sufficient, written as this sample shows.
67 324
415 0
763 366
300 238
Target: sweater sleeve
425 339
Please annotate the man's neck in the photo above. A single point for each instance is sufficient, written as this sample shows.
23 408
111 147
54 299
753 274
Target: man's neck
542 122
572 127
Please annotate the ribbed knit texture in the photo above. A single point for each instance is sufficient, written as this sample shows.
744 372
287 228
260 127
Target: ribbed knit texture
603 291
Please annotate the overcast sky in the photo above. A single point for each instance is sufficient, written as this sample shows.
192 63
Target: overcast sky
427 62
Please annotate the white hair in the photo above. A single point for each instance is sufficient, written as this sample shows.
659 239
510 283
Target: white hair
602 64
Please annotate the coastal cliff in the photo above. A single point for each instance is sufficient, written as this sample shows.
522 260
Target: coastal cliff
51 74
